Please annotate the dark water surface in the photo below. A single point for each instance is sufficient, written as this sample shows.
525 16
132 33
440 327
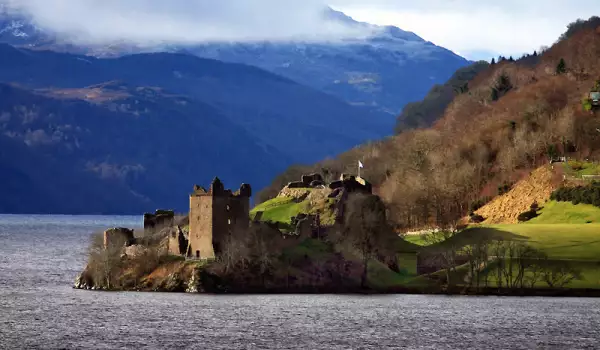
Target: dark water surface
41 255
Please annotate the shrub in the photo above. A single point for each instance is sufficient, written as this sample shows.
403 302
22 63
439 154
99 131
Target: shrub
504 188
561 67
476 205
477 219
528 215
534 206
576 165
587 104
589 194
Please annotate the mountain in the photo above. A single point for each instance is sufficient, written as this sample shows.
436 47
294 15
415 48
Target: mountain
158 123
383 70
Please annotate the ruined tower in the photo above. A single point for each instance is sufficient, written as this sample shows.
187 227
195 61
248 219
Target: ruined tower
215 214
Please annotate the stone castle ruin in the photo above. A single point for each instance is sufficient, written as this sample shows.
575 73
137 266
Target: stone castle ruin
118 237
217 213
312 186
160 219
214 214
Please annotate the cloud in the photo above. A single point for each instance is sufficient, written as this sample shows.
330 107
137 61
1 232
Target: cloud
185 21
476 28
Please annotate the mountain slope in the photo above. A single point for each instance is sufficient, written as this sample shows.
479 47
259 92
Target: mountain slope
117 149
302 123
424 113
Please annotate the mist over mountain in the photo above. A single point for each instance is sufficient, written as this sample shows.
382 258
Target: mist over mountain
378 67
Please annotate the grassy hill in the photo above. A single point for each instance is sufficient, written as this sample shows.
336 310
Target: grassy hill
304 201
566 213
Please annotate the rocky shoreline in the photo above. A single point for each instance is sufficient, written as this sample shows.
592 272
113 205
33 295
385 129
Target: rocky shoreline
194 286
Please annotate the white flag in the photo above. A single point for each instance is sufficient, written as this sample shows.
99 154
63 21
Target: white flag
360 164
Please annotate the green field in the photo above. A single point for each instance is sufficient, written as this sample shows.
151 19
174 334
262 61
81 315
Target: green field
579 244
579 168
559 241
566 213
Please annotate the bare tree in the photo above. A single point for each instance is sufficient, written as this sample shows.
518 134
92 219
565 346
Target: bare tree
535 270
260 251
366 229
478 255
498 255
104 262
559 274
235 251
444 248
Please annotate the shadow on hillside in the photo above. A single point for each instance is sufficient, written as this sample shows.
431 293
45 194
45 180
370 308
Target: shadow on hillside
477 235
474 234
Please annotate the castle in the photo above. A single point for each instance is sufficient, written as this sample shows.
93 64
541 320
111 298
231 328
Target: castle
217 213
213 215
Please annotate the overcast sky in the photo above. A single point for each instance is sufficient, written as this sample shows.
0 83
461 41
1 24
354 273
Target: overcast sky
473 28
476 28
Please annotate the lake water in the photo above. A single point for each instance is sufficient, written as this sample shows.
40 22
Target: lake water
40 256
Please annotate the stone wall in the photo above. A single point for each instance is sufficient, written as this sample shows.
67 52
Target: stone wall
118 237
161 218
177 243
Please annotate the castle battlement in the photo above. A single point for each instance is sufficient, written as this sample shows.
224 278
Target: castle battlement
218 189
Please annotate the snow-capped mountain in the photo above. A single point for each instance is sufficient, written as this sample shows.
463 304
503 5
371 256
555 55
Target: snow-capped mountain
383 70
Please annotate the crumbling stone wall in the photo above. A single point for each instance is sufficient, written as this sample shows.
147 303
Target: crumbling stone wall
118 237
178 242
352 184
160 218
308 179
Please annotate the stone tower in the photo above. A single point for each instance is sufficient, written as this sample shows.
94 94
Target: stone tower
215 214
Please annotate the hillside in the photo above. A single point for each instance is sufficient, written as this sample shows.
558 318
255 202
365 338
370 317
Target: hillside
382 72
97 149
424 113
513 118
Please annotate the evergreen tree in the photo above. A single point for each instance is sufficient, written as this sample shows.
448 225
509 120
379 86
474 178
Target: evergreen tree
561 67
535 53
493 61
